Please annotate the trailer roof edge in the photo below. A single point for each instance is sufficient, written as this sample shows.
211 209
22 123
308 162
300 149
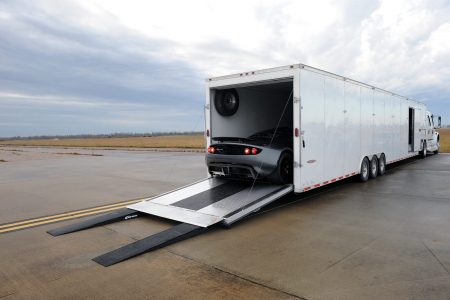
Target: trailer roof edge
309 68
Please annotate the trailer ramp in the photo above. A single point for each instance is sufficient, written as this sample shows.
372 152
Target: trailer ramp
212 201
197 207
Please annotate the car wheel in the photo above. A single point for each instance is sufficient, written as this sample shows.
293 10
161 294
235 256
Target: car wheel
285 168
373 167
382 165
364 172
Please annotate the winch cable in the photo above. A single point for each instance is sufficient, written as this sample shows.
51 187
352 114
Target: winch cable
271 140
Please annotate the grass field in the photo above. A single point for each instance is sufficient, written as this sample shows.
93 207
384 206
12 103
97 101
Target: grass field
170 141
444 134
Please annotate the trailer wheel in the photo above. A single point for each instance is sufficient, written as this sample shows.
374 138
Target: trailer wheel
227 102
364 172
284 173
381 165
423 153
373 172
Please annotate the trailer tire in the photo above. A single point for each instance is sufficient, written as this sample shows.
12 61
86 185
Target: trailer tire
227 102
381 165
373 171
284 172
364 171
423 153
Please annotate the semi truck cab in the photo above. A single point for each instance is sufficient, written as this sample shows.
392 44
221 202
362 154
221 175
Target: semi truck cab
430 141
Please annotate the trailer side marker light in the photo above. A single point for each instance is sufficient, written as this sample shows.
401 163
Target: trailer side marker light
296 132
211 150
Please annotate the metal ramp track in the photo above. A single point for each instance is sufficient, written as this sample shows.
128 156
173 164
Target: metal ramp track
119 215
198 207
159 240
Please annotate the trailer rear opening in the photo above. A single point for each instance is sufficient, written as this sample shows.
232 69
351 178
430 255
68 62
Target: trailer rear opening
262 106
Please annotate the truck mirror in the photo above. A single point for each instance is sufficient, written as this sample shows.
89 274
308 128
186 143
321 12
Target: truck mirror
439 121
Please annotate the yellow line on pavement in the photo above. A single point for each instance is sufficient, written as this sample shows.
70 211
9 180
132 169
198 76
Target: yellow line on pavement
59 219
116 205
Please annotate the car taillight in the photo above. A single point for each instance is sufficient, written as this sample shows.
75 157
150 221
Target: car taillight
253 151
211 150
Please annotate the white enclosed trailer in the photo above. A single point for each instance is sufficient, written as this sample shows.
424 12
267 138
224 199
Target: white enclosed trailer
337 123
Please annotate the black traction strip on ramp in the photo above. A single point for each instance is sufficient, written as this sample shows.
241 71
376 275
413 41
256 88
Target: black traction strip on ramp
161 239
119 215
208 197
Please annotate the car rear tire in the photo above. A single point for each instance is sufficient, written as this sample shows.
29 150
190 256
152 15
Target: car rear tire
364 172
284 173
381 165
373 167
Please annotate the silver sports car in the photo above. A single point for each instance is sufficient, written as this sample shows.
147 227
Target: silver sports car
265 155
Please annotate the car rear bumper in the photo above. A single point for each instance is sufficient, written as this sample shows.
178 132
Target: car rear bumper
243 166
232 170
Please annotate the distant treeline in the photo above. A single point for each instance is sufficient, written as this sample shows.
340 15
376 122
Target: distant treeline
111 135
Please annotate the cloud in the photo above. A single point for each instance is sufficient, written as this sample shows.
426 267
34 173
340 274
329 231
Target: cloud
53 66
101 63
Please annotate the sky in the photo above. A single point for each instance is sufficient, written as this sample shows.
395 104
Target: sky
104 66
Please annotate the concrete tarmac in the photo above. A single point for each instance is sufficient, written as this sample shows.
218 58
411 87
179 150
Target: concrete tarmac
384 239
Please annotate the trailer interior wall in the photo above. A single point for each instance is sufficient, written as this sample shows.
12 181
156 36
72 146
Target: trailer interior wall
260 108
342 121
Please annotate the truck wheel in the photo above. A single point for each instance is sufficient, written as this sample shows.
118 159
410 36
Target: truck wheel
284 168
423 153
382 165
364 172
437 150
373 172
